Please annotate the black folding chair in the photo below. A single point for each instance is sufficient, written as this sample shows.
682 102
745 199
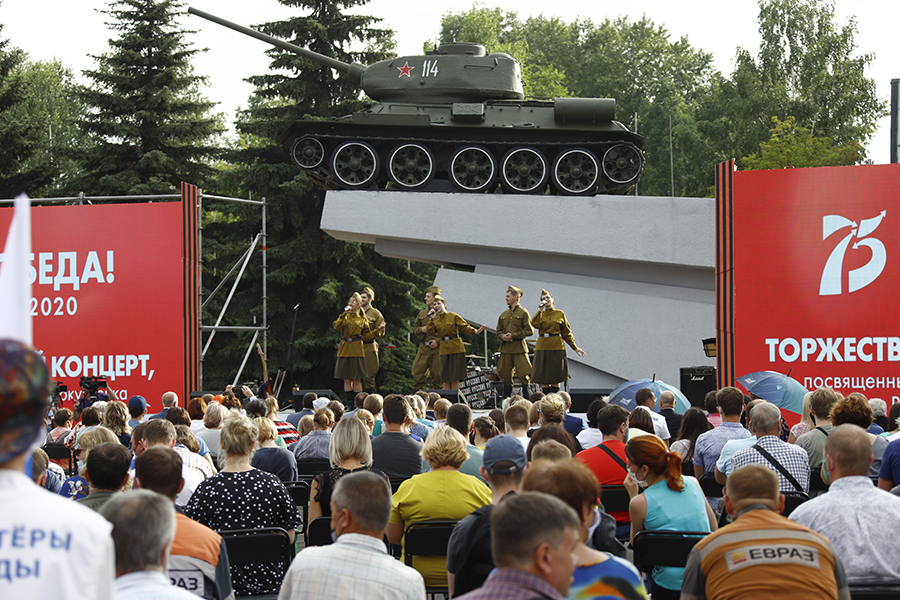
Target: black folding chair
888 590
427 538
299 491
615 498
312 467
395 483
815 481
319 532
262 546
664 548
60 452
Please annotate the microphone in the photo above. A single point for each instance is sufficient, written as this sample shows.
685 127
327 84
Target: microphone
430 312
347 308
298 306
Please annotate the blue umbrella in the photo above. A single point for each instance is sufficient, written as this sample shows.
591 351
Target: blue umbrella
623 395
781 390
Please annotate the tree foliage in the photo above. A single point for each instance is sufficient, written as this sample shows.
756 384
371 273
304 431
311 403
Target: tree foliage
305 264
793 145
20 135
150 127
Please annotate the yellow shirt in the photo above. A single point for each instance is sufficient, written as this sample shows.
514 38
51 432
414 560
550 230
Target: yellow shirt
553 322
352 325
448 325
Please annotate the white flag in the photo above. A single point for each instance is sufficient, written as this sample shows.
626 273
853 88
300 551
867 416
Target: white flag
15 285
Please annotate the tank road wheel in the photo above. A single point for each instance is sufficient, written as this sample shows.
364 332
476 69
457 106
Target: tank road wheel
411 166
622 163
575 172
355 164
308 152
524 171
472 169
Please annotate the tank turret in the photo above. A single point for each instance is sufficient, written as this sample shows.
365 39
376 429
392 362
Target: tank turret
457 119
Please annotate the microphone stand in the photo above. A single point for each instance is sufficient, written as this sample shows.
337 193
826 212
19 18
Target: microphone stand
290 347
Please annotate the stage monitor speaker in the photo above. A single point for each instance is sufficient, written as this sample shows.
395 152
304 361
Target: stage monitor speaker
453 396
297 397
696 382
582 398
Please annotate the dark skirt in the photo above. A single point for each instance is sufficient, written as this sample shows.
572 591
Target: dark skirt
351 367
453 367
550 367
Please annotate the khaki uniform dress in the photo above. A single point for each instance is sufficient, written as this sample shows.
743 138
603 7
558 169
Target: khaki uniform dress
551 365
514 354
448 328
427 358
373 315
351 361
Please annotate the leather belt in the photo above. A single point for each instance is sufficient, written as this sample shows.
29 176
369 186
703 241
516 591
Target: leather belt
447 338
350 340
549 335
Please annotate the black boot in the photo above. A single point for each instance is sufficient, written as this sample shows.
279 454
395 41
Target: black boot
551 389
507 391
350 401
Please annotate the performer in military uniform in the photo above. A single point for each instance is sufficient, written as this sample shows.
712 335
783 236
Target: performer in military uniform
427 356
448 326
376 322
351 362
551 366
513 327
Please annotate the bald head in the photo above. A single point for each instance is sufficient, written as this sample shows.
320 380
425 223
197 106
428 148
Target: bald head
848 451
667 399
170 399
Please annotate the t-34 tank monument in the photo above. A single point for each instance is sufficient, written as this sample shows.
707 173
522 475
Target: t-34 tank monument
458 120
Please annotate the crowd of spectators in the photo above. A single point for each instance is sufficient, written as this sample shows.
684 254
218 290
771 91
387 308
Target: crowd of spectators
525 484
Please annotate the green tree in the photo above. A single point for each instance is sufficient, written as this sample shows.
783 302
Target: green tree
20 137
51 109
150 126
806 68
792 145
501 31
305 264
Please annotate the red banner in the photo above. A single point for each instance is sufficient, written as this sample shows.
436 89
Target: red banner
107 285
816 276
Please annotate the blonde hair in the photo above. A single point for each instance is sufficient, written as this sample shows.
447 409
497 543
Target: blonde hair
350 439
323 419
266 429
272 404
445 447
239 435
305 425
365 417
550 450
91 439
115 418
553 407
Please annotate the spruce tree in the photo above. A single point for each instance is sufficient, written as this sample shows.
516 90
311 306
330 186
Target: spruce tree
305 264
151 128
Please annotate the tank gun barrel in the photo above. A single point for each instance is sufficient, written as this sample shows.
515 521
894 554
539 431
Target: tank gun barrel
353 71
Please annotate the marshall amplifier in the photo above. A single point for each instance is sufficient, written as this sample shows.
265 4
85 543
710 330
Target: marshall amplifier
696 382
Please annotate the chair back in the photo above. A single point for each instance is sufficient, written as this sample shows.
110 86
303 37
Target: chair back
792 500
312 467
262 546
395 483
60 452
427 538
887 590
299 491
319 532
615 498
664 548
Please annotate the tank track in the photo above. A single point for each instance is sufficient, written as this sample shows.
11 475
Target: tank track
526 166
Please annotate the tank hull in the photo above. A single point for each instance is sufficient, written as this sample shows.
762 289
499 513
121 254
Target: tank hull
566 146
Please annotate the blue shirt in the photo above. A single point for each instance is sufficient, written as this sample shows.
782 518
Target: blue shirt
728 450
675 511
709 445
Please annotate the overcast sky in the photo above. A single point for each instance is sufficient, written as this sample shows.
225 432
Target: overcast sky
72 30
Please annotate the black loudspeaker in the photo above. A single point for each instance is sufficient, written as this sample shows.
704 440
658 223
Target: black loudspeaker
582 398
453 396
297 397
696 382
